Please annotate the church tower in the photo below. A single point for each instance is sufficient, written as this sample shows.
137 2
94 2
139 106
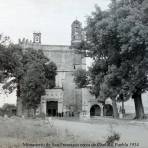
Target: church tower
37 38
76 33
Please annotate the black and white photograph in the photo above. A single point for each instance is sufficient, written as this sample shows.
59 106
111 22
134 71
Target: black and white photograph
73 73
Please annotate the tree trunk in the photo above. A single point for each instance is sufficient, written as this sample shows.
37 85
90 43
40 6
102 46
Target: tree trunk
123 110
28 112
115 109
19 100
138 106
34 112
19 107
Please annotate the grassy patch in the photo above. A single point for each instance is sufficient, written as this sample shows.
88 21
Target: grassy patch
27 133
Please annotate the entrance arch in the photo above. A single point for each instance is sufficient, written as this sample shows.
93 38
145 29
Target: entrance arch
95 110
108 110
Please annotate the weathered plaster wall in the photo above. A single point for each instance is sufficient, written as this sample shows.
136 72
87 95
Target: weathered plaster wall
67 62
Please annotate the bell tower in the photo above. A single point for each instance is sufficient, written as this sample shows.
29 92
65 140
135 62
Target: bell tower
37 38
76 33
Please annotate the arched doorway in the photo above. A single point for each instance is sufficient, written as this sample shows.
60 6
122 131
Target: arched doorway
95 110
108 110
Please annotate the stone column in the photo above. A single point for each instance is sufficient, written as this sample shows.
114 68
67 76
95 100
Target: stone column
43 106
60 107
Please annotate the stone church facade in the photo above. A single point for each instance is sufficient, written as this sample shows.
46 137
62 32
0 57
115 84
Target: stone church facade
66 99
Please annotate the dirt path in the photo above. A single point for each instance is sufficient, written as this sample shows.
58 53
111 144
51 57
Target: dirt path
130 131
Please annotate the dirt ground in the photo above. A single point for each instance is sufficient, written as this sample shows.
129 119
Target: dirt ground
130 131
17 132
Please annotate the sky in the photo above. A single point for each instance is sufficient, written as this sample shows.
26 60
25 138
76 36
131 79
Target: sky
53 18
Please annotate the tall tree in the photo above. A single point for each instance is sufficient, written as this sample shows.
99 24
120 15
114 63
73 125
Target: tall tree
33 86
39 75
117 40
30 72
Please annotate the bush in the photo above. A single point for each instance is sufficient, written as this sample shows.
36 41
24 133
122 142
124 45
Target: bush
111 139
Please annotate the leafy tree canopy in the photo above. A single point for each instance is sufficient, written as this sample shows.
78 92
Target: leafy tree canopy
81 78
117 40
30 72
